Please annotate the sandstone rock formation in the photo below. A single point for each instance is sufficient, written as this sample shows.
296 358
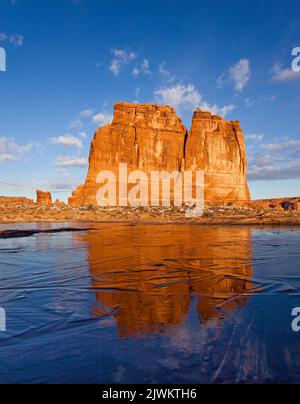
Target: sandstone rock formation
11 201
217 147
43 198
153 138
59 204
278 204
146 137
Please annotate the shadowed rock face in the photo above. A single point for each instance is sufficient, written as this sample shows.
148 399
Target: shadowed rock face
152 138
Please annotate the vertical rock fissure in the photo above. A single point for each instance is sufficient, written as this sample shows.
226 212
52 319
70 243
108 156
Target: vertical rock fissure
242 162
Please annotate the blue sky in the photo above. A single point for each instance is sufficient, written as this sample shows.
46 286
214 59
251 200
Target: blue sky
69 61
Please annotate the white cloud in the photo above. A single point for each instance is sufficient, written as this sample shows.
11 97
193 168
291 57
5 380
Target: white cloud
66 161
11 151
291 145
179 96
216 110
165 73
63 182
142 69
255 137
187 96
15 39
102 118
137 92
87 113
276 161
250 102
77 124
88 118
67 140
121 58
239 75
280 74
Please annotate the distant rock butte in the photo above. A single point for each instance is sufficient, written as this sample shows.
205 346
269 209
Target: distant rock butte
153 138
43 198
11 201
277 204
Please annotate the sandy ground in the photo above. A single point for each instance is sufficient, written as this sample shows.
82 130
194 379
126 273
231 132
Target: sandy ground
212 216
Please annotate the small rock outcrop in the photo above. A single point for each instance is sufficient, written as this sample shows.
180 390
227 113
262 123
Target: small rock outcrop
59 204
153 138
43 198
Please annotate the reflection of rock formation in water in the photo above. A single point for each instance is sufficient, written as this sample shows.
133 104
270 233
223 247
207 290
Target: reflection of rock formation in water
147 276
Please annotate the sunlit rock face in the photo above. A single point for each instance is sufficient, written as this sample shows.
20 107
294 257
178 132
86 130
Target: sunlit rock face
217 147
146 137
278 204
43 198
153 138
12 201
150 278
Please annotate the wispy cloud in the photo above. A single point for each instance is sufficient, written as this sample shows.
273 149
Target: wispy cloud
102 118
239 75
67 140
166 75
76 124
66 161
88 118
11 151
142 69
86 113
255 137
276 161
62 182
280 74
15 39
217 110
121 58
250 102
290 146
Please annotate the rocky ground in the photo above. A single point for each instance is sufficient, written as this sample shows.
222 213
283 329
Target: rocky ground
228 215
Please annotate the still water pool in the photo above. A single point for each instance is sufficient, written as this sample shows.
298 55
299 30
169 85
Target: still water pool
150 304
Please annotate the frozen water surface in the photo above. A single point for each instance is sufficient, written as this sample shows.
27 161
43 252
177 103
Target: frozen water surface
149 304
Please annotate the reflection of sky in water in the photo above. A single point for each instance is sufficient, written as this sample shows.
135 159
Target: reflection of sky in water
151 304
